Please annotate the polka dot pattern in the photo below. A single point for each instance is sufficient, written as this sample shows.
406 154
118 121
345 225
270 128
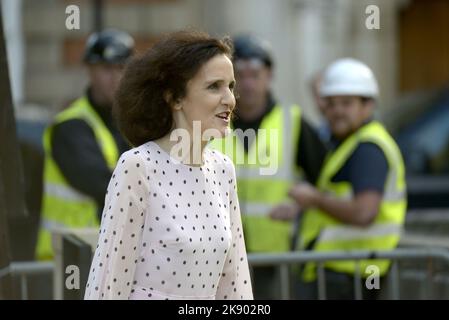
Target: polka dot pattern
170 231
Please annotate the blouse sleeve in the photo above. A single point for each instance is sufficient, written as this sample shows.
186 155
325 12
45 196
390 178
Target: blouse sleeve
113 266
235 281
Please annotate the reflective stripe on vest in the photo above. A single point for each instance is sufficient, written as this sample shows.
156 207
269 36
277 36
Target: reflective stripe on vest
340 233
63 205
64 192
384 233
261 185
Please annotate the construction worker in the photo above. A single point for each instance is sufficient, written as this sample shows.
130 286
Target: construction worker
83 144
360 199
262 126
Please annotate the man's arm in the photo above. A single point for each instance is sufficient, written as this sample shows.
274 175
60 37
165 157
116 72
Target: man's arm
78 156
368 169
360 211
311 152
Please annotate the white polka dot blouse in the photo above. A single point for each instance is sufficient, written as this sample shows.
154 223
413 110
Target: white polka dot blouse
170 231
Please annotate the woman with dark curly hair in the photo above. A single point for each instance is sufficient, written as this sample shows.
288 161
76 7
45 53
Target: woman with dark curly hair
171 226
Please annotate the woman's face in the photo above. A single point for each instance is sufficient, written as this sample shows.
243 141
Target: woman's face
209 99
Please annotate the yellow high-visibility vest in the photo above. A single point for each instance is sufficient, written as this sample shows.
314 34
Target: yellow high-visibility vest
264 175
63 205
384 233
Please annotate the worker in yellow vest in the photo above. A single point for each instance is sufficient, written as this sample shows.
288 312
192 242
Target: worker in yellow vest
360 199
83 144
272 147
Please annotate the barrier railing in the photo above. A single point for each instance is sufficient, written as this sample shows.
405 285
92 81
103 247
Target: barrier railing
23 270
285 260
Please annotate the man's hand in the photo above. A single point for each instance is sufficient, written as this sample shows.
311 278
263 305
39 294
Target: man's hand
304 194
285 211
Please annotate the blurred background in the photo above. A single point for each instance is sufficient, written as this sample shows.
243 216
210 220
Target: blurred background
409 55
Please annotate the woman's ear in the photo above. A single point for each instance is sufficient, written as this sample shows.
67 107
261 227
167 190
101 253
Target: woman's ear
175 105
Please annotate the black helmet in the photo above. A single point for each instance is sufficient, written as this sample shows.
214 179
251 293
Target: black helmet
249 46
108 46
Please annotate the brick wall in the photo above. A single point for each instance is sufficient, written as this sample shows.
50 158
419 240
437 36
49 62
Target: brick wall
54 74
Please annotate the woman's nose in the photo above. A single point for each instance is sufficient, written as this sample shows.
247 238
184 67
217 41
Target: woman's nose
228 98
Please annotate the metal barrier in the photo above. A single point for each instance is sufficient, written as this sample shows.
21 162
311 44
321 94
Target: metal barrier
283 261
25 269
71 247
76 253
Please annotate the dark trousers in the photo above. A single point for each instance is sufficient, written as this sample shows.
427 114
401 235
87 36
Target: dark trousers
339 286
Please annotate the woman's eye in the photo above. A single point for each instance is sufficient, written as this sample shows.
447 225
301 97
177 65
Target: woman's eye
213 86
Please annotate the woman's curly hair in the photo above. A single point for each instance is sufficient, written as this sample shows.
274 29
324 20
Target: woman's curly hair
141 107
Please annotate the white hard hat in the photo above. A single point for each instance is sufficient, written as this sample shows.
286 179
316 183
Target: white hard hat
348 77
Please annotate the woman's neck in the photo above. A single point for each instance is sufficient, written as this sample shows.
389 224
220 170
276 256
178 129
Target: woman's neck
186 150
